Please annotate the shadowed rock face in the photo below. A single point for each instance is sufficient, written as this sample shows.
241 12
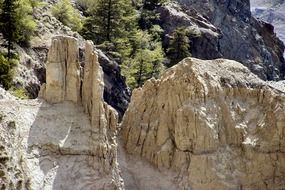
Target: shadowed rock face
271 11
116 92
213 123
226 29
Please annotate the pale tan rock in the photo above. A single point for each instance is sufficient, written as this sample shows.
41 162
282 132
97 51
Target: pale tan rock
63 142
214 123
62 71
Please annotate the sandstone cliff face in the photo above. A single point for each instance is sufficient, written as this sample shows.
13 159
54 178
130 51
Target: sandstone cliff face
226 29
67 141
213 123
63 71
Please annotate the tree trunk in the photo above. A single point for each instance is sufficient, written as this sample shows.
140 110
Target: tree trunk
10 36
109 21
140 71
9 49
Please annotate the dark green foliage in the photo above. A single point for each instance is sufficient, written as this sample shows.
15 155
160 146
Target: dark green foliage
179 47
109 20
146 62
114 25
17 26
149 15
9 22
16 22
6 71
85 4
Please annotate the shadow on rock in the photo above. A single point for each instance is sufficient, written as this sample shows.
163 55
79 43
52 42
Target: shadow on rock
60 149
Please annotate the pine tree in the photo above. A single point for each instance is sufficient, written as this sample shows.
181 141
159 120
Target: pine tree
149 15
6 71
146 61
109 20
9 22
6 75
114 23
16 22
85 4
179 47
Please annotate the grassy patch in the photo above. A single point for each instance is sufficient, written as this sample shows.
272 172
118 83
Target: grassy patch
19 92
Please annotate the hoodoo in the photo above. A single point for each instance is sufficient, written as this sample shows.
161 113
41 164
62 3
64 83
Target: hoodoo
213 123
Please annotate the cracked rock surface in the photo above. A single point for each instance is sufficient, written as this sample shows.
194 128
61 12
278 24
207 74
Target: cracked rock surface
213 123
202 125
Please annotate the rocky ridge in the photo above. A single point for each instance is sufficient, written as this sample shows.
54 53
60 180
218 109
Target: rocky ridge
213 123
271 12
226 29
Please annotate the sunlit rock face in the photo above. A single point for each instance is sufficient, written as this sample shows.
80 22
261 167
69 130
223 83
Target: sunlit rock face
213 123
201 125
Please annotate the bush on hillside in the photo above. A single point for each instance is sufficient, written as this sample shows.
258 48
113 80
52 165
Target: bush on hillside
69 16
6 71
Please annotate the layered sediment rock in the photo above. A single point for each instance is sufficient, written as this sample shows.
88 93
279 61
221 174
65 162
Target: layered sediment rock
66 141
213 123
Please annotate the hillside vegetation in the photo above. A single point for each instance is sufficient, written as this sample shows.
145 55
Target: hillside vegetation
128 32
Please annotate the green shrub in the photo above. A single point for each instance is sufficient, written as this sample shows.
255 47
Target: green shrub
27 24
19 92
6 71
65 13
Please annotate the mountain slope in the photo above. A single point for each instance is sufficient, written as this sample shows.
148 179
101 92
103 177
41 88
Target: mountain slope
271 12
226 29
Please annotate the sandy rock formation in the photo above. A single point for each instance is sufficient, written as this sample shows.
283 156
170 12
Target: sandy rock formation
66 141
213 123
62 71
